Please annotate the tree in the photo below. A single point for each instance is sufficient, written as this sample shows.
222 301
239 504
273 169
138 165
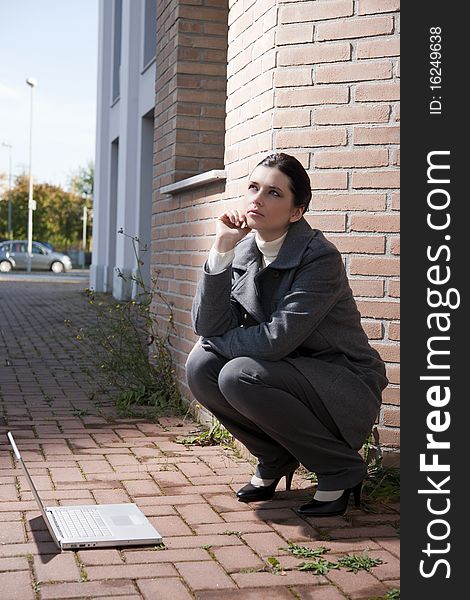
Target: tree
57 219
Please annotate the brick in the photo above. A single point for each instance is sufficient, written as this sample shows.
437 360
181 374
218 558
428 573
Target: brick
270 593
379 310
367 287
313 95
352 158
324 592
12 532
162 556
394 331
310 138
388 437
354 28
199 513
373 329
204 575
391 417
376 92
328 222
385 222
351 114
261 580
312 54
396 201
292 77
391 395
356 243
313 11
376 179
348 202
163 589
388 352
367 7
334 180
19 563
92 589
48 566
393 373
395 245
263 543
366 586
350 72
376 135
18 587
378 48
236 558
130 571
294 34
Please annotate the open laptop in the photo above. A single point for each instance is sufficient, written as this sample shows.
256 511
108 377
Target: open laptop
95 525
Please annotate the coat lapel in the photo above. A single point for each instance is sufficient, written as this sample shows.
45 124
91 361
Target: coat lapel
248 259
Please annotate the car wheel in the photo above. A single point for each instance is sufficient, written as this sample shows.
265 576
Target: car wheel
5 266
57 267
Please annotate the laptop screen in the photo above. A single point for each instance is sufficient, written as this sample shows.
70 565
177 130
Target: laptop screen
31 484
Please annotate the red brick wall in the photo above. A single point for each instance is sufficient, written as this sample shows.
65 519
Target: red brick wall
320 80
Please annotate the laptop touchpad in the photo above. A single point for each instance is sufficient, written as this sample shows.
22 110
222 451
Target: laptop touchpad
123 520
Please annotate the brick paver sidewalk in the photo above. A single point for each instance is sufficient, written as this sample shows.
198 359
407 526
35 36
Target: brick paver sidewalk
79 451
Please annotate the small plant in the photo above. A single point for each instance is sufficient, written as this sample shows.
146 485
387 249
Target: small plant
130 344
304 552
383 485
217 435
357 563
275 565
319 566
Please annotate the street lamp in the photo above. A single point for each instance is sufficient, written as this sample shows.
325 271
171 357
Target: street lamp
9 146
31 203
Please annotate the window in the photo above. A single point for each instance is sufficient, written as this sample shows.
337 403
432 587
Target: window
150 31
117 39
37 249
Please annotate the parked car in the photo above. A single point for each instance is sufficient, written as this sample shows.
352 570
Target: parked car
14 255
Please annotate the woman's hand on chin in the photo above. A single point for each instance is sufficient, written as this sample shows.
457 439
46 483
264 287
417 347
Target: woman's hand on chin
231 227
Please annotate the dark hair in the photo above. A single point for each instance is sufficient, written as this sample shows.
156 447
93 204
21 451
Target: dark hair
299 182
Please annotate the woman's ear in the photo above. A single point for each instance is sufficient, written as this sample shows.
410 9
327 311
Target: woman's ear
297 214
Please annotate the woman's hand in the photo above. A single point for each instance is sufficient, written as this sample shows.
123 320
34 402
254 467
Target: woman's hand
231 227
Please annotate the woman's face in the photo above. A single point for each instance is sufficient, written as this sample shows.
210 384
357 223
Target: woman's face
269 203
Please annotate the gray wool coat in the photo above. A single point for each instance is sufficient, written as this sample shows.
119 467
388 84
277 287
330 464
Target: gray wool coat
300 308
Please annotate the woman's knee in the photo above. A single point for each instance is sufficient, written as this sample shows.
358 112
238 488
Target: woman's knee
200 367
235 377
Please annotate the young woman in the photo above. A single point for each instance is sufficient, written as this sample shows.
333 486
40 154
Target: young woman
283 361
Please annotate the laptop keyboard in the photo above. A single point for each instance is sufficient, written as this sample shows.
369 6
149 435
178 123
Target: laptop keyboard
78 523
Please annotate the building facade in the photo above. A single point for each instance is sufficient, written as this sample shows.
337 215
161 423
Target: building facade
234 81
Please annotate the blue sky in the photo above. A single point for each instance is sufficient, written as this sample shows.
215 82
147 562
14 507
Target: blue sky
56 42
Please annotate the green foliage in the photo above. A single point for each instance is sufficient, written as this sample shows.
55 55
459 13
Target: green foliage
392 594
130 344
217 435
304 552
383 485
319 566
57 219
357 563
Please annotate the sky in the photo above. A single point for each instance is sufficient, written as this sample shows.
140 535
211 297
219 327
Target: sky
56 43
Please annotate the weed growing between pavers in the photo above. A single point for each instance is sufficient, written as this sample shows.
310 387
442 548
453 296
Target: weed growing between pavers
321 566
216 436
393 594
129 344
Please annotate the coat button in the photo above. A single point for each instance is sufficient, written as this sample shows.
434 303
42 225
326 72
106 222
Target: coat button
245 316
275 274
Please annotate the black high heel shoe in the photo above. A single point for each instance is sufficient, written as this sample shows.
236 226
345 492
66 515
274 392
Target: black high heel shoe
318 508
254 493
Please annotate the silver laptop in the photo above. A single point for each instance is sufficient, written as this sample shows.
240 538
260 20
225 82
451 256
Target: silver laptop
93 526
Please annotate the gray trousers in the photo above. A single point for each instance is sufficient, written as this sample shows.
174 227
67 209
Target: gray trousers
272 409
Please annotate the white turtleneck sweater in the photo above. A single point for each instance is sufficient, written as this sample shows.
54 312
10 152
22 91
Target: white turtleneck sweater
218 261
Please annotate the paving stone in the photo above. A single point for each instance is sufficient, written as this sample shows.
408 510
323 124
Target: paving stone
235 558
165 588
215 546
17 587
203 575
